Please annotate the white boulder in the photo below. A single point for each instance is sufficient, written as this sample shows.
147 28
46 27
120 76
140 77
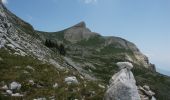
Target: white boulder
5 87
15 86
123 65
9 92
71 80
122 84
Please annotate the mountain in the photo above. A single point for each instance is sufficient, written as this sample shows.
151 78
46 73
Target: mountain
89 48
74 63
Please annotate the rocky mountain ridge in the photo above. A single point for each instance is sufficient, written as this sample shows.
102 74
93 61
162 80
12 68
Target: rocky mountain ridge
83 42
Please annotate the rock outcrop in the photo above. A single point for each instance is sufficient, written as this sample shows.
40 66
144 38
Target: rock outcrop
146 93
15 86
78 32
122 84
21 39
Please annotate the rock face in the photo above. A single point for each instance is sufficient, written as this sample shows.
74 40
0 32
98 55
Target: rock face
20 37
78 32
139 57
122 84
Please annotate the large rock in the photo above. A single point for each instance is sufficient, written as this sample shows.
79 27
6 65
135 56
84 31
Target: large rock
71 80
123 65
122 84
15 86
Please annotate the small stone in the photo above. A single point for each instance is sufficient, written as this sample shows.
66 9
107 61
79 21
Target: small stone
30 67
151 93
5 87
31 82
9 92
71 80
55 85
17 95
101 86
52 98
25 72
146 87
81 77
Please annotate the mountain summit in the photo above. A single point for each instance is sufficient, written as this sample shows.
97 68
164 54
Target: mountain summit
78 32
81 24
72 64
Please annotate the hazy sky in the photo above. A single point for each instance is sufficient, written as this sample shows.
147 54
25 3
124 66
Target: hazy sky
143 22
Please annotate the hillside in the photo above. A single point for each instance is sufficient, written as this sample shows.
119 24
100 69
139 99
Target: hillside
100 52
32 69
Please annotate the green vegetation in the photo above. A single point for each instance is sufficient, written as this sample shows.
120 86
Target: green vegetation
111 49
59 35
93 41
55 36
23 69
158 83
52 45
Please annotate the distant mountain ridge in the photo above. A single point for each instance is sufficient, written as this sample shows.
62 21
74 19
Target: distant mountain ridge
79 33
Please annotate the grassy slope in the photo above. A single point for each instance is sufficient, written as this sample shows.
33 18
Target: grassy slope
158 83
12 69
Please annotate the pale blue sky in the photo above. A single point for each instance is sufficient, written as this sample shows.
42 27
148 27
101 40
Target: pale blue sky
144 22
